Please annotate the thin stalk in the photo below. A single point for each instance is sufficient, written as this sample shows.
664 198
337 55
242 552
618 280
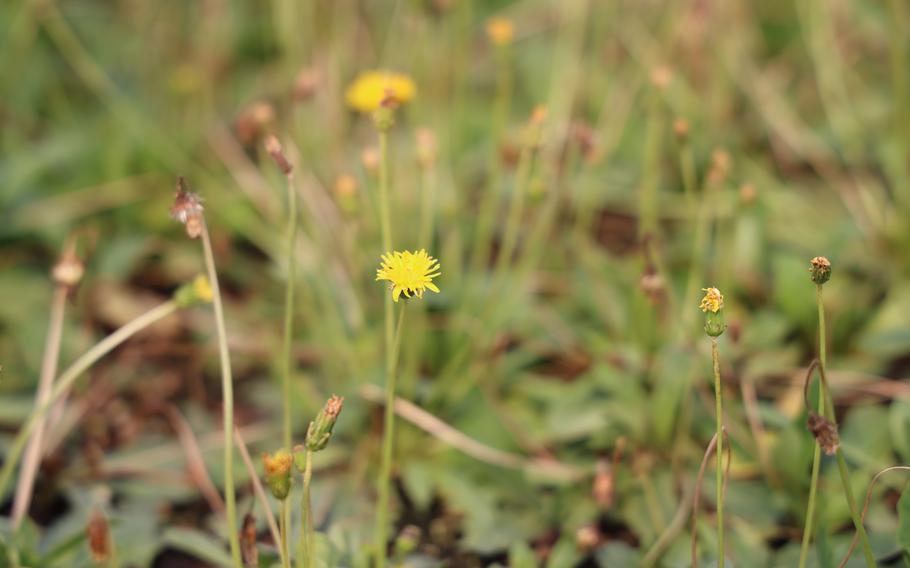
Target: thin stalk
32 458
719 409
388 434
257 487
289 315
306 525
227 389
842 465
284 525
68 378
809 529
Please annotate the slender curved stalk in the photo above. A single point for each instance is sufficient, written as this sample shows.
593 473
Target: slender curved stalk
68 378
388 435
289 316
227 389
719 409
866 508
32 458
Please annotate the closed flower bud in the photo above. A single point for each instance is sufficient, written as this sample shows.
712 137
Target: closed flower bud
825 433
98 534
273 147
713 306
384 116
320 430
248 537
69 269
820 270
199 291
278 473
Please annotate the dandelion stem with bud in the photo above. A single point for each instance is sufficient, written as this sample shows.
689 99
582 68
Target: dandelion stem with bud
713 306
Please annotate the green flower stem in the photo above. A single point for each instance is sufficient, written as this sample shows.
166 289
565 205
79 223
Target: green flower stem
390 357
286 358
388 435
284 520
306 524
809 529
854 512
719 409
227 389
68 378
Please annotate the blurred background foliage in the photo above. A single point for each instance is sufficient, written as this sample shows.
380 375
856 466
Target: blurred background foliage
581 355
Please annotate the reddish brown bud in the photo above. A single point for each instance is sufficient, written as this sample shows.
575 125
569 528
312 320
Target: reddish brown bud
248 538
825 433
98 534
273 147
187 209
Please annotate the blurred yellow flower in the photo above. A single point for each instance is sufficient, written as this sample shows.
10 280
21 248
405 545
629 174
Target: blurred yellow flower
203 289
713 300
500 31
409 272
371 88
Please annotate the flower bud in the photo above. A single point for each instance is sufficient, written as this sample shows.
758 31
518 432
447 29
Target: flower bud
713 306
825 433
199 291
273 147
248 537
98 534
384 116
820 270
320 430
278 473
500 31
69 269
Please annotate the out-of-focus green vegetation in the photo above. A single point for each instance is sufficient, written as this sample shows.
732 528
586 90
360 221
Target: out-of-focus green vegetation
578 364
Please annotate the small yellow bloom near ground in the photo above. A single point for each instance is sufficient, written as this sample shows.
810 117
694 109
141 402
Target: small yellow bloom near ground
500 31
203 289
409 273
371 88
713 300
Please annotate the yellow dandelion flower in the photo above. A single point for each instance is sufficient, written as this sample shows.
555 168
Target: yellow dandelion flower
713 300
278 464
409 273
371 88
500 31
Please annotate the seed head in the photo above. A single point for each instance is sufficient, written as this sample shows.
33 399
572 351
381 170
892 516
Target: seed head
825 433
69 269
187 209
820 270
